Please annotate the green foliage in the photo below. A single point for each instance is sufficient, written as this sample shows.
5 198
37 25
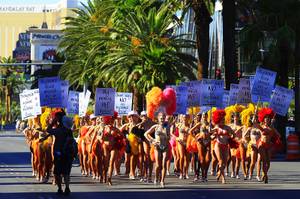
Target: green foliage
126 44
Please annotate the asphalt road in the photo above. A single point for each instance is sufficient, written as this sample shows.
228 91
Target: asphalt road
16 181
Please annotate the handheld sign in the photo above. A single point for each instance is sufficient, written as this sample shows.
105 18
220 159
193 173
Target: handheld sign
105 101
194 88
263 85
84 99
181 98
212 92
244 95
64 93
225 99
73 103
123 103
281 99
233 94
29 102
50 92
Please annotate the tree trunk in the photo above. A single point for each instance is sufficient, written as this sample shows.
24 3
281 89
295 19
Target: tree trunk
7 104
202 21
229 12
135 99
297 85
285 51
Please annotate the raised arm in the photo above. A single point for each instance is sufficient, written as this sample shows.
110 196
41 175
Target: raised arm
194 128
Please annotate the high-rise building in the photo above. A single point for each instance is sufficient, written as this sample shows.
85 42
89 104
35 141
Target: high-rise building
15 19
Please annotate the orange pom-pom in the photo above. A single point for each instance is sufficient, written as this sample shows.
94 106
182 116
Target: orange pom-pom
153 99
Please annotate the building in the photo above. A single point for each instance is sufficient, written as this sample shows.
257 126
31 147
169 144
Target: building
16 19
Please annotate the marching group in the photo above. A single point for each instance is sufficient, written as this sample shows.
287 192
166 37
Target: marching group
216 141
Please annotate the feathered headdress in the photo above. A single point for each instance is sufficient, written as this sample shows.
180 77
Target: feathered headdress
107 119
218 116
265 112
210 113
76 121
231 110
156 98
44 118
246 115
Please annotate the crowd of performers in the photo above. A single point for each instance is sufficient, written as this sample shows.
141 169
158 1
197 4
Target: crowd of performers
214 142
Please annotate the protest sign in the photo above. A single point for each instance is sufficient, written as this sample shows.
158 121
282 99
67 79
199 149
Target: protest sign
105 101
73 103
36 100
211 92
225 99
84 99
123 103
181 99
50 92
194 88
30 104
244 94
263 85
281 99
64 93
233 94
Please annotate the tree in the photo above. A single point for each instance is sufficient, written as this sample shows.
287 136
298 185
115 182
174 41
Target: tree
275 29
11 85
134 49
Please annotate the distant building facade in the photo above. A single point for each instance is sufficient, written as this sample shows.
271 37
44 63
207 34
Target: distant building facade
16 19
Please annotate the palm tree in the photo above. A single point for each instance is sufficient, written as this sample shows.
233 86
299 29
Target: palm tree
11 85
132 50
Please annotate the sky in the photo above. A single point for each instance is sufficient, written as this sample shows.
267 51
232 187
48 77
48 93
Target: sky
30 2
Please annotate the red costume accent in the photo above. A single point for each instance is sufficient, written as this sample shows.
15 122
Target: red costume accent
265 112
218 116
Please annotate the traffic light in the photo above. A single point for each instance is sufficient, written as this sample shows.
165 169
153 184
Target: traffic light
218 73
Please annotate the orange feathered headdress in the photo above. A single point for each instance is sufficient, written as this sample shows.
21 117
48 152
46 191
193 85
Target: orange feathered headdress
156 98
218 116
265 112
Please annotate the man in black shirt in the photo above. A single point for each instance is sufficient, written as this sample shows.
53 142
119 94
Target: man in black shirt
60 128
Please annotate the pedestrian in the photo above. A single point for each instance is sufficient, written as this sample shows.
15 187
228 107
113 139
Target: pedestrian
60 128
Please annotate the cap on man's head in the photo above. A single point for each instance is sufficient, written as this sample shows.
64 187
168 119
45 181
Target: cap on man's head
92 116
132 113
143 113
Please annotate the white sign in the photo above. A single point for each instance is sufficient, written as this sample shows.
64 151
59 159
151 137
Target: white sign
263 84
194 88
73 103
30 104
233 94
84 99
123 103
244 95
212 92
281 99
105 101
50 92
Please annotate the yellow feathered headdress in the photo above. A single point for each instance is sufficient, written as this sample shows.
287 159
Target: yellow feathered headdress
232 109
246 114
209 113
77 121
44 118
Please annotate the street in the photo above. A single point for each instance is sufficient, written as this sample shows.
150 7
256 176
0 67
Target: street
16 181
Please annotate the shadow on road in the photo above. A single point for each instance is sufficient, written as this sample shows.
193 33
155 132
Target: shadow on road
15 158
190 194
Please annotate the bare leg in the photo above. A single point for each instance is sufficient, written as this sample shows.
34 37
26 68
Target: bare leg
111 166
